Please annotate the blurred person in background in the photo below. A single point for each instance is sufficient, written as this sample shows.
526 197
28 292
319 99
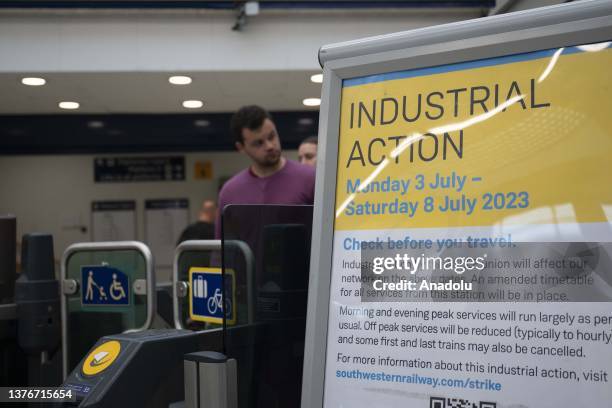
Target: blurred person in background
307 152
204 227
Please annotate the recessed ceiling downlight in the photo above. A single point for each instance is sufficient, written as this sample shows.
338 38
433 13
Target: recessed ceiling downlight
193 104
317 78
69 105
179 80
33 81
312 101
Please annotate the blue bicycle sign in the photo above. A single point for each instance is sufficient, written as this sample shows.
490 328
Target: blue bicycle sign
206 303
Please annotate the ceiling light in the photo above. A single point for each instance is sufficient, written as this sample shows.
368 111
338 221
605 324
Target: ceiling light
312 101
201 123
33 81
69 105
95 124
193 104
179 80
317 78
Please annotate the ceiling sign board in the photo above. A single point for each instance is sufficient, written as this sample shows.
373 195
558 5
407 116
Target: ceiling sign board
461 251
134 169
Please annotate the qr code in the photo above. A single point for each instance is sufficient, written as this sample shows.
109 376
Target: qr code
438 402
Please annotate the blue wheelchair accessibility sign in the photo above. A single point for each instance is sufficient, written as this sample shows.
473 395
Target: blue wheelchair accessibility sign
104 286
206 302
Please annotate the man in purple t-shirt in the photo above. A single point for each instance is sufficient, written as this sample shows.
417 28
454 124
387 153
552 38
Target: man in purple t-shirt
271 178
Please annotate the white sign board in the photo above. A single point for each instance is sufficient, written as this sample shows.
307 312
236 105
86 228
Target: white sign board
113 221
466 197
165 219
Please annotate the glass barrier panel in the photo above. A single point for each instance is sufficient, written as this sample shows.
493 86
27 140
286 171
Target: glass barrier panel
105 302
266 261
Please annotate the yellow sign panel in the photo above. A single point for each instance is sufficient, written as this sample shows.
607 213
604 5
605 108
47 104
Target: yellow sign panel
101 357
501 141
203 170
206 295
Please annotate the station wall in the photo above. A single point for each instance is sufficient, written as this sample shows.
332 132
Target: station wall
54 193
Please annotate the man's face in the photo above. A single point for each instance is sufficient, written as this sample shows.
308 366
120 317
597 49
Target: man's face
261 145
307 154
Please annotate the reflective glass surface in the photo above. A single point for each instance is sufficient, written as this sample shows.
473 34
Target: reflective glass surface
266 252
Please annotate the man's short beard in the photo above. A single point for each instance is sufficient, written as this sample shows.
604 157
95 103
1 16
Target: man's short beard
270 162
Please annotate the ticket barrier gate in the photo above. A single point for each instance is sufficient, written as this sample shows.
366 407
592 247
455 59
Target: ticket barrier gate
153 359
138 369
263 351
205 255
164 367
29 327
159 368
106 288
34 327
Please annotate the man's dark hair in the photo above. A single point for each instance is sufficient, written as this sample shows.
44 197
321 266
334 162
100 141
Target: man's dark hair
310 139
250 117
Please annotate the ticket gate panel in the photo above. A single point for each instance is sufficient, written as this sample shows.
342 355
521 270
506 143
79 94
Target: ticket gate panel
104 300
140 369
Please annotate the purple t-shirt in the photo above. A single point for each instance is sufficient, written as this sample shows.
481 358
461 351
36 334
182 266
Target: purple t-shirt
293 184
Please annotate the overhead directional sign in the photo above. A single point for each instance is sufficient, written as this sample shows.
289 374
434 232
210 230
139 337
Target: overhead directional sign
104 286
206 303
138 169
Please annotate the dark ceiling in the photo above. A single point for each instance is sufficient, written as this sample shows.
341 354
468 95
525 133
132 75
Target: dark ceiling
72 134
